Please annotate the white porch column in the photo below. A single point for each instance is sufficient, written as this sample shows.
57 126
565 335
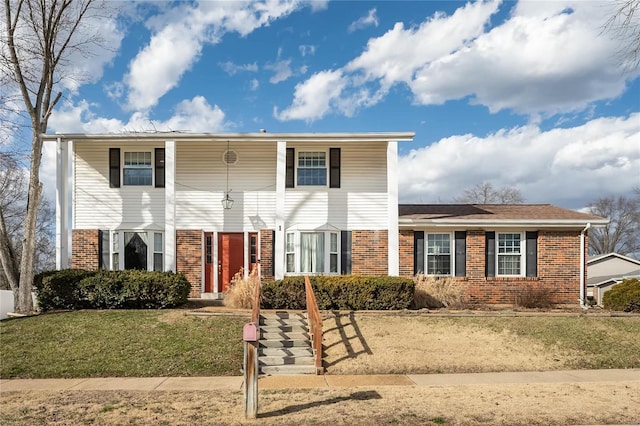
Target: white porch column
170 206
392 205
62 204
281 170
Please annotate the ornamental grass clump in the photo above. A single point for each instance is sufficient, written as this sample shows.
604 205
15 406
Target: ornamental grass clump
241 290
438 292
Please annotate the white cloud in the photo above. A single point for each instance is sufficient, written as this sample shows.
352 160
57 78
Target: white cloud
312 99
179 36
254 84
567 167
281 70
547 58
232 69
365 21
307 49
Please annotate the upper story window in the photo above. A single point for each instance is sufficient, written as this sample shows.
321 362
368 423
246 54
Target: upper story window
509 253
438 254
137 168
312 168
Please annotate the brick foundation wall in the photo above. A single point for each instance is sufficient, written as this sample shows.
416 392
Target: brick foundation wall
558 269
369 252
85 249
405 254
189 258
266 254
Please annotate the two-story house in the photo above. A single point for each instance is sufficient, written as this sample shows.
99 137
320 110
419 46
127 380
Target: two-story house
207 205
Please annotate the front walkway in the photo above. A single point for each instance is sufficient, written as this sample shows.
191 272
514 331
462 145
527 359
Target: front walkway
325 381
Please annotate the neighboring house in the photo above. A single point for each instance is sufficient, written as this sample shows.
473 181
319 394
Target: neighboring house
303 203
607 270
496 251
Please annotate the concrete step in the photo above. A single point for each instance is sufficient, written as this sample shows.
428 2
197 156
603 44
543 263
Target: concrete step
284 328
294 351
283 335
275 322
285 360
282 315
284 343
288 369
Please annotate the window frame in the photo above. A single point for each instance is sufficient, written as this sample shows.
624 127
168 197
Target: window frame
522 253
452 253
293 239
297 167
117 246
138 167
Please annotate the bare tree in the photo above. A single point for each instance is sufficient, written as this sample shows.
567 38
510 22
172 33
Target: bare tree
39 36
624 23
622 234
13 203
485 193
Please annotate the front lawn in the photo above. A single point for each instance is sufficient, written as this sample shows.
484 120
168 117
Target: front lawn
120 343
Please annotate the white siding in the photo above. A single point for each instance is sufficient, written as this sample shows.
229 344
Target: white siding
201 184
360 202
97 206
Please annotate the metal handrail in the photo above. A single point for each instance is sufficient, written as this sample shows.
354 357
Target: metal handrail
315 324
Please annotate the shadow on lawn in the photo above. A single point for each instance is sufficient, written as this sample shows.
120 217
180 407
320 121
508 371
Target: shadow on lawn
356 396
347 324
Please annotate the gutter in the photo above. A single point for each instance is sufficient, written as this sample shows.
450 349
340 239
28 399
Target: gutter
583 236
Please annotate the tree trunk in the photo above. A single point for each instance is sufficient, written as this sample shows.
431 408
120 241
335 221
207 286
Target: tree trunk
25 302
7 257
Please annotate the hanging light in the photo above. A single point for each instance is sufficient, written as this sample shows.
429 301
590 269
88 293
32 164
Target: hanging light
227 202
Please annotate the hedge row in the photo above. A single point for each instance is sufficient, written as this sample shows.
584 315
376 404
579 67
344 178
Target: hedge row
130 289
624 296
345 292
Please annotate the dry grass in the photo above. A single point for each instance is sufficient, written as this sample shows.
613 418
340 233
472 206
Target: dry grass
535 297
438 292
241 290
505 404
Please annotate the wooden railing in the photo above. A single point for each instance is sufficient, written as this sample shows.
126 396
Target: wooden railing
315 324
255 307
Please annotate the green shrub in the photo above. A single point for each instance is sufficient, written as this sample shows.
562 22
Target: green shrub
624 296
344 292
59 289
76 289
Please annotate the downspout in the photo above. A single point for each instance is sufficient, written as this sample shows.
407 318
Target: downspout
583 236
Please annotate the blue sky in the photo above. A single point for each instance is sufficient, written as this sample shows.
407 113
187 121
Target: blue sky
531 95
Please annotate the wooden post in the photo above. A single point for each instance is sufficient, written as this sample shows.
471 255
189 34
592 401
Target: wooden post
250 379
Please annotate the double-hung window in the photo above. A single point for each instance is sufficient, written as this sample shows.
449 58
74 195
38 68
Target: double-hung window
312 168
137 168
509 253
438 254
312 252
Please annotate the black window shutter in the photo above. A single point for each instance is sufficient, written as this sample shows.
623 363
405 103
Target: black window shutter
345 252
103 249
159 167
418 252
273 253
532 254
334 167
490 250
461 253
114 167
291 168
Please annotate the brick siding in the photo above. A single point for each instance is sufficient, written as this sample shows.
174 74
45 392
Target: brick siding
406 252
369 252
558 269
189 258
266 254
85 249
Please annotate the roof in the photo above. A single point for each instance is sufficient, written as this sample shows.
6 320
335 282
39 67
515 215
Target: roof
495 214
602 257
234 137
608 279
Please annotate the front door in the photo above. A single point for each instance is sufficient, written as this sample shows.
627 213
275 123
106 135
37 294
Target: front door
230 257
209 263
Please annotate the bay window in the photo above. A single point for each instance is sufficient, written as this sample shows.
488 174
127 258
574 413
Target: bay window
132 249
312 252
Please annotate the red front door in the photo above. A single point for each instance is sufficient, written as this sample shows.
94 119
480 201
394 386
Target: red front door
230 257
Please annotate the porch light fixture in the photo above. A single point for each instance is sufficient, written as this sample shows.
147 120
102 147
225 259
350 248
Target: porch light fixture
227 202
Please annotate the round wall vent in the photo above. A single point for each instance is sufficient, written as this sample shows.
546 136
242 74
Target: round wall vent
230 157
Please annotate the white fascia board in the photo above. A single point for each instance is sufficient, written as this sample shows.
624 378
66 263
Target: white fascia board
236 137
409 223
599 258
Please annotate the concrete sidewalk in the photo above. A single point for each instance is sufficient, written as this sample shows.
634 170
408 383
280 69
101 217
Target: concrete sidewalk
326 381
